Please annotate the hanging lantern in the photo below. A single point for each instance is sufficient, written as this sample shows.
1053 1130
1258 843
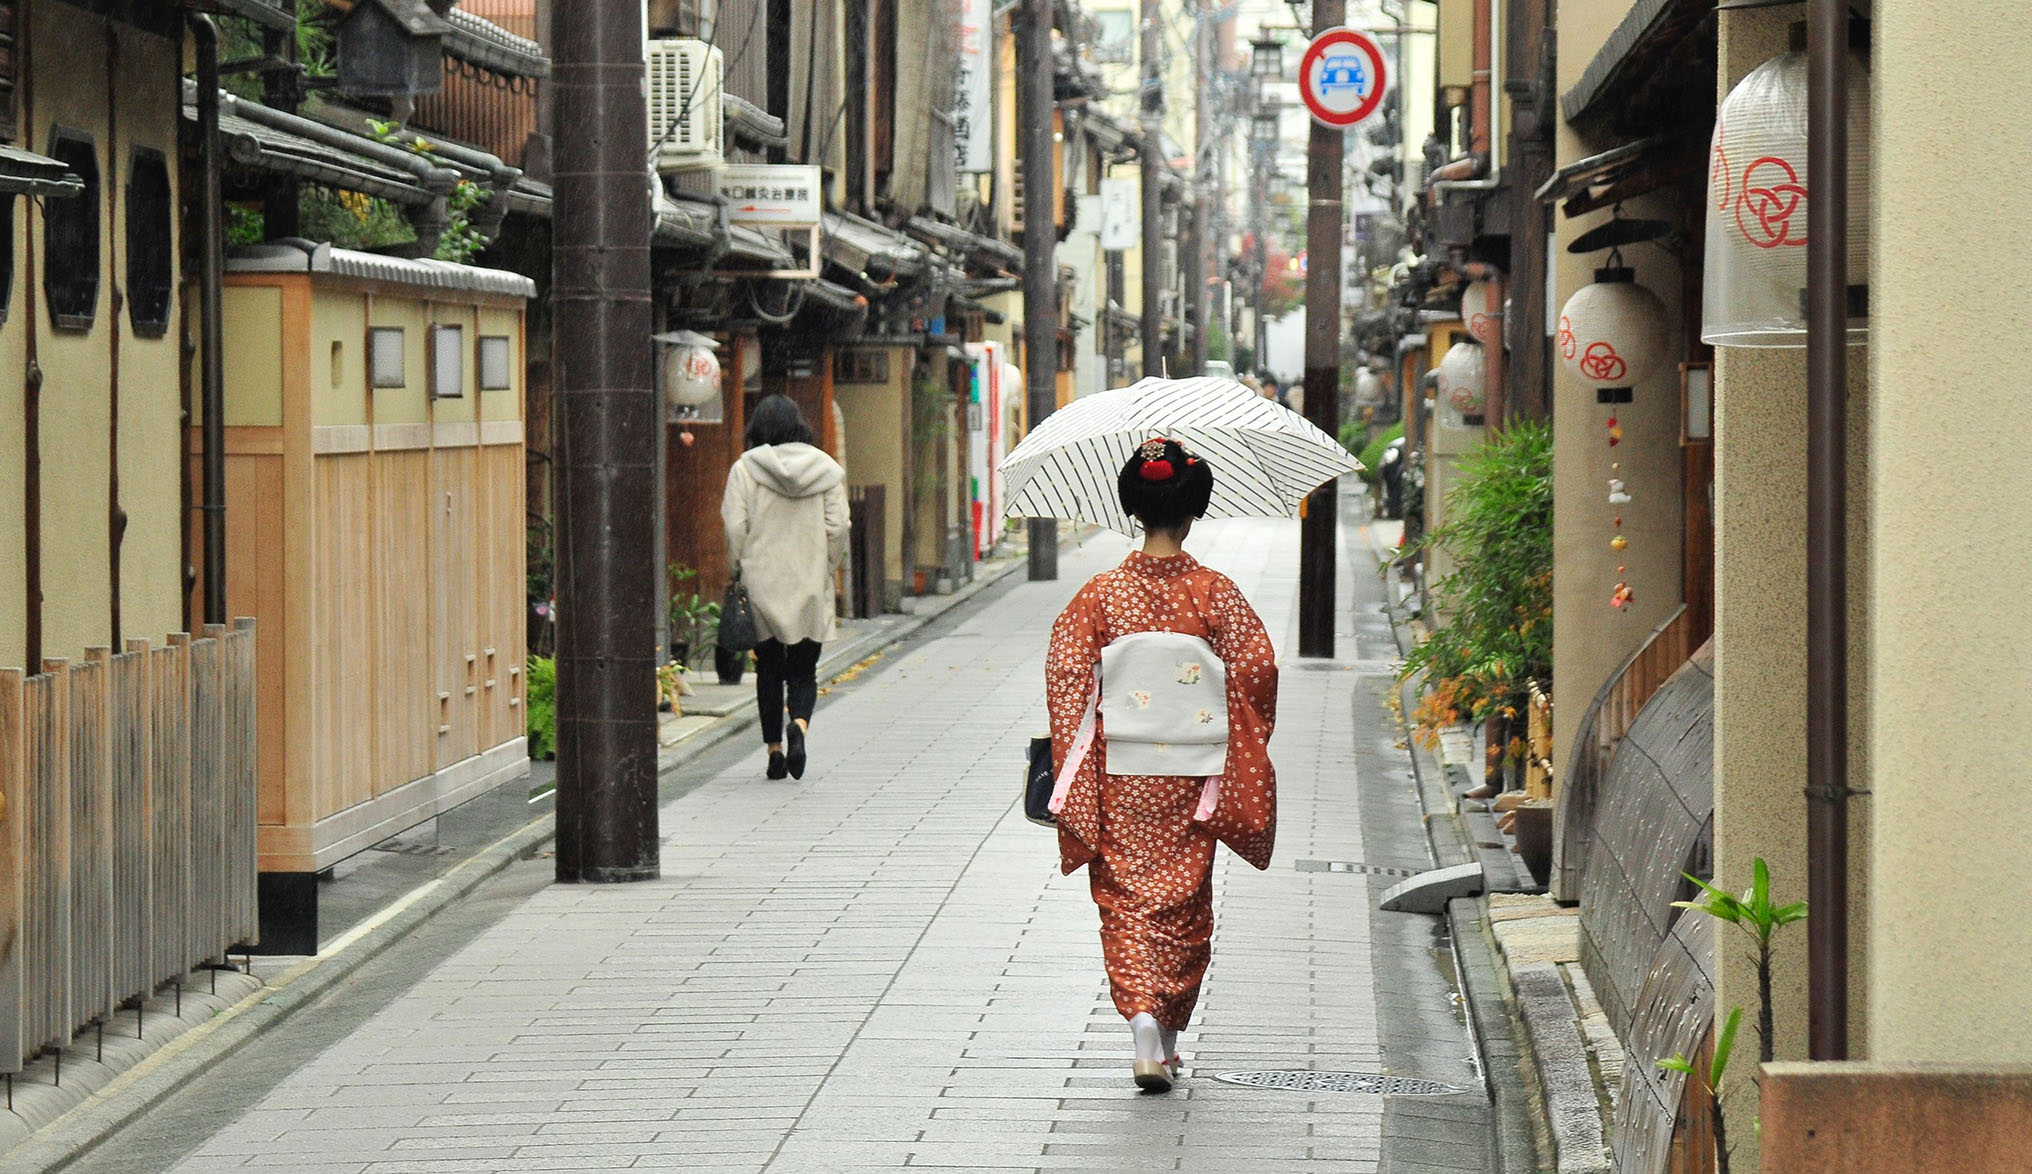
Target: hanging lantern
1479 309
1612 334
691 375
1758 193
1463 383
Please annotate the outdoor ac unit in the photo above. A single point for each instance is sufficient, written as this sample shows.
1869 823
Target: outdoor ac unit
687 128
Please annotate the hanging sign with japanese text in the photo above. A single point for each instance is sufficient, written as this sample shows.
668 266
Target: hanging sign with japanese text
1121 213
973 106
1341 77
776 195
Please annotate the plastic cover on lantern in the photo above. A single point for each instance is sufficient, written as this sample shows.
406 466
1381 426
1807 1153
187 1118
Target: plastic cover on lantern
1612 333
1479 310
1462 382
691 374
1757 196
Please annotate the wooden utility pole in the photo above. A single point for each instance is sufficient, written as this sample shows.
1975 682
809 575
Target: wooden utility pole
1202 187
1035 108
1321 528
1151 104
608 415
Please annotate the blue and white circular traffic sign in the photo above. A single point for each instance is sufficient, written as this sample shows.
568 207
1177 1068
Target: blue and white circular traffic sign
1341 77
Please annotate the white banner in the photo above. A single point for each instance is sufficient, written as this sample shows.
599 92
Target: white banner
973 109
1121 213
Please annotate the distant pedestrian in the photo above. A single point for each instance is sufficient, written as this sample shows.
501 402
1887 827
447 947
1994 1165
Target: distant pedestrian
1162 685
785 511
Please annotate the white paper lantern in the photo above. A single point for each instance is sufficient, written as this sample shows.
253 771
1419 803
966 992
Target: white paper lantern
1463 383
1758 194
1613 333
1368 387
691 374
1480 310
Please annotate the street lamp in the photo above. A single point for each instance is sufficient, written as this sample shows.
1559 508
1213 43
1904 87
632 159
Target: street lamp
1263 123
1266 59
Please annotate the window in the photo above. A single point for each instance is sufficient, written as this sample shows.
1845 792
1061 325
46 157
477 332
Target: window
1115 36
151 263
447 361
6 254
384 357
496 353
861 367
70 236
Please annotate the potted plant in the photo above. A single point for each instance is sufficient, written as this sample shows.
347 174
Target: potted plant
694 619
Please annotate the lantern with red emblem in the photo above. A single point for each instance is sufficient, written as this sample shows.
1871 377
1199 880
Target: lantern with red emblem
1481 312
1463 383
1612 334
1758 193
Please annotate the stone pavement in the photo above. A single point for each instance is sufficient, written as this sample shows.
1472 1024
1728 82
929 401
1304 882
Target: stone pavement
879 967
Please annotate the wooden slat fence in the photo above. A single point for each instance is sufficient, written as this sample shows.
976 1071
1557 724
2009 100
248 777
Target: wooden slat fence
127 829
1608 718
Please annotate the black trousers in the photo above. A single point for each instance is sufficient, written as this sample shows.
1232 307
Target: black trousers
785 673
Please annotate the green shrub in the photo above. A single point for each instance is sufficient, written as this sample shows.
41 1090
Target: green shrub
541 706
1497 603
1371 456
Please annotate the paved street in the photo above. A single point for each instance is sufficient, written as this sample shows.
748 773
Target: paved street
880 967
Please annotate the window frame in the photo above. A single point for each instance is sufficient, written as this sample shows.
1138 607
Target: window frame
68 319
156 240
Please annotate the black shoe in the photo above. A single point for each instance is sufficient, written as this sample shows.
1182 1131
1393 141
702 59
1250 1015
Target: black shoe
794 744
777 769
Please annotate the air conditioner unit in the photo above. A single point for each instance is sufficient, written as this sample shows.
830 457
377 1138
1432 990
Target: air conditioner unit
687 127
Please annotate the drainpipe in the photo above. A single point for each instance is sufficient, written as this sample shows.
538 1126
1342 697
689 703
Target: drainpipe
211 363
1827 667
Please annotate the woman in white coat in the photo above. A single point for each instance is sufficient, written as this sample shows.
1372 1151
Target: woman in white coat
785 511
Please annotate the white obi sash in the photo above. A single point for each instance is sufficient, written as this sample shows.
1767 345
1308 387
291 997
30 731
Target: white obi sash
1165 695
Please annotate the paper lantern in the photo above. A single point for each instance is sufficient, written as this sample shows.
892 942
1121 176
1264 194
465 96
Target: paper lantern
691 374
1463 383
1758 194
1480 310
1612 334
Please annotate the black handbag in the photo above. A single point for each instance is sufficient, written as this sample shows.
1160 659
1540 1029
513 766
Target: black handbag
1037 784
737 618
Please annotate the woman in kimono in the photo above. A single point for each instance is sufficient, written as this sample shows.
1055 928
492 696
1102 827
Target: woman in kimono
1147 840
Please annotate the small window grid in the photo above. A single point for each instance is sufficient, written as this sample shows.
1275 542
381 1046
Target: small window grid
385 366
495 362
70 235
447 361
151 259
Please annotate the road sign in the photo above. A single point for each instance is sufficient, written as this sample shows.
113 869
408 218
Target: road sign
1341 77
782 195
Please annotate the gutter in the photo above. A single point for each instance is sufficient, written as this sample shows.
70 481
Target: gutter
211 364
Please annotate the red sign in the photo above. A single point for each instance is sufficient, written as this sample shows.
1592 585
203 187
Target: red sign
1341 77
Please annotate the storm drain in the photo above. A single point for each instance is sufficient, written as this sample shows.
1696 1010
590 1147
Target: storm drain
1351 866
1306 1080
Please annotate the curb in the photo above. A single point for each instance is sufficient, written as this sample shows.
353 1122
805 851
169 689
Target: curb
1519 1138
193 1053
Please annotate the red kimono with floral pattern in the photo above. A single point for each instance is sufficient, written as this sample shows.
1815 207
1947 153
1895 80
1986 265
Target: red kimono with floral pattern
1150 862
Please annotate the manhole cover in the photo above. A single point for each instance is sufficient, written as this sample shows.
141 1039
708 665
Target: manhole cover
1305 1080
1351 866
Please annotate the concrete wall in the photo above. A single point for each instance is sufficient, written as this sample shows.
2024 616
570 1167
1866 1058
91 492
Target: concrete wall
878 419
1951 681
117 93
1590 638
1760 637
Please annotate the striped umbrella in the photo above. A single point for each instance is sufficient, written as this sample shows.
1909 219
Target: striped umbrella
1266 458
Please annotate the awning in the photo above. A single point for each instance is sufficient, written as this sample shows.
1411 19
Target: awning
685 223
750 249
480 42
867 248
986 250
1649 31
25 173
1628 171
1110 135
752 126
422 272
273 151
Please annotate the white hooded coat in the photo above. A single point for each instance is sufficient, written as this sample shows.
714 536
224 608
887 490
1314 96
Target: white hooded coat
785 511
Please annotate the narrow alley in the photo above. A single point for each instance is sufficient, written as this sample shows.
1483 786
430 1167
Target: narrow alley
880 967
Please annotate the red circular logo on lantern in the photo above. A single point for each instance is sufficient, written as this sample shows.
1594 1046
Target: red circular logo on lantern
1341 77
1600 361
1772 199
1566 342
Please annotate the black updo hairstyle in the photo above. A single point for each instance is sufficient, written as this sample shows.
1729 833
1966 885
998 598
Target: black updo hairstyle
1163 485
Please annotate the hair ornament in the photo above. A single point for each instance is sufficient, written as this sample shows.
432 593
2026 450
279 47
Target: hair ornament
1152 449
1156 471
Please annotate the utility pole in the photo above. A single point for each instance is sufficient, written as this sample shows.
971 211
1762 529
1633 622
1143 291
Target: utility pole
1202 187
1152 107
1035 105
608 413
1320 530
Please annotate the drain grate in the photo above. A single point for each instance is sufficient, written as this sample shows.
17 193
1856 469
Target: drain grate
1351 866
1306 1080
